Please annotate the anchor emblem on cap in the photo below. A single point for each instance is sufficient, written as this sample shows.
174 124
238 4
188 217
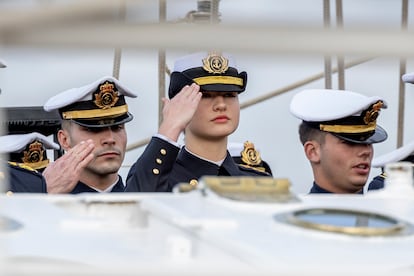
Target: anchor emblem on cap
215 64
34 154
107 96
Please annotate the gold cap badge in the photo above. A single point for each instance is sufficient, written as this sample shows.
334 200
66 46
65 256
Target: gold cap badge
34 157
107 96
215 64
372 113
34 154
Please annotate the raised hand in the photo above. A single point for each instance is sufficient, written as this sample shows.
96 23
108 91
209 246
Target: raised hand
63 174
179 111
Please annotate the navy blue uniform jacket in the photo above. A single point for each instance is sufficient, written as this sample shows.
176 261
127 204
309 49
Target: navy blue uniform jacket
163 165
316 189
377 182
22 180
83 188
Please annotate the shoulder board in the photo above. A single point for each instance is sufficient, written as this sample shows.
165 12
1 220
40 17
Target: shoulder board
22 166
258 170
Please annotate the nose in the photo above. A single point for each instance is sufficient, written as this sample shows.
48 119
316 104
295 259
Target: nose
108 136
219 103
366 150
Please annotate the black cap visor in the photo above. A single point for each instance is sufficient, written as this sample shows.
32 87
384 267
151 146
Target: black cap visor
178 80
106 121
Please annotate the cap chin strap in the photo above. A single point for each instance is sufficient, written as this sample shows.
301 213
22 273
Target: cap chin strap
218 80
95 113
348 128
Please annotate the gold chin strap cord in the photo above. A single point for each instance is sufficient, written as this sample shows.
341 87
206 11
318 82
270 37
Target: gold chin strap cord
95 113
218 79
348 128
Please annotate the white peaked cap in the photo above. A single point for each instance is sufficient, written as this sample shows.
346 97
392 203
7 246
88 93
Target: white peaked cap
196 60
319 105
18 142
393 156
83 93
409 77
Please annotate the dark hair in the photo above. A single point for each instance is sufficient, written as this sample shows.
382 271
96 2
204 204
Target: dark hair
65 124
308 133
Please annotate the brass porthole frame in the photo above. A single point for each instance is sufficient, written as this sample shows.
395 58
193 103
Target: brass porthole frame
397 227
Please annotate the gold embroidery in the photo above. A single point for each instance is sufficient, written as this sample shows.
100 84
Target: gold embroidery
218 79
95 113
250 156
107 96
215 64
348 128
371 114
34 154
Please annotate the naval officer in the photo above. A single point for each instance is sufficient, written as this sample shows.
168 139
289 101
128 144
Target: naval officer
27 159
93 135
29 149
17 177
404 153
204 105
337 131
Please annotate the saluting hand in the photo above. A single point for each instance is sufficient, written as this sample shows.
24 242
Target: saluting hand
63 174
179 111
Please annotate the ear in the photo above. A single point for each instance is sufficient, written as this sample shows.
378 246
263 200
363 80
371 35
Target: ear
312 151
64 139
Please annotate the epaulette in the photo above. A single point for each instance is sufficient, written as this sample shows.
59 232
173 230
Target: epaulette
259 170
251 158
383 175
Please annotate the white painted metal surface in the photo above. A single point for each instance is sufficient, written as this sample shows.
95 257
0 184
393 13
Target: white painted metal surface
192 233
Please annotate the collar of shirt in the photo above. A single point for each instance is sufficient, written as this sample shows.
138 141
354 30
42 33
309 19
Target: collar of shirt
218 163
109 189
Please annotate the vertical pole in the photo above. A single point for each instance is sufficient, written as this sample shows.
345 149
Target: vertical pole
401 97
328 62
118 50
340 58
161 62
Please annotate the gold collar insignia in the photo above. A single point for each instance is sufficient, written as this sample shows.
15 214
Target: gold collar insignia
250 156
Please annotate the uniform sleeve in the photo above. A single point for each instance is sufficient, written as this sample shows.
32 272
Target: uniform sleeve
150 172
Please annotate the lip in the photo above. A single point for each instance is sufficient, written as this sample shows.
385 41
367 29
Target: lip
221 119
109 154
362 168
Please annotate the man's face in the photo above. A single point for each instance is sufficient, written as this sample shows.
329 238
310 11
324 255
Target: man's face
344 164
110 146
217 115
